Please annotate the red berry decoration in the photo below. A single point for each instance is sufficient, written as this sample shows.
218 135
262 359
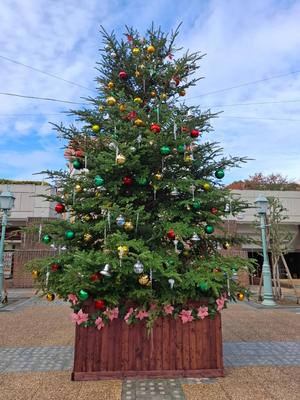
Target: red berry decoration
155 128
171 234
214 210
55 267
194 133
99 304
96 277
123 75
59 208
127 181
132 116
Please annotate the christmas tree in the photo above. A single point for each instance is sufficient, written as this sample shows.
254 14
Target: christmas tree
142 200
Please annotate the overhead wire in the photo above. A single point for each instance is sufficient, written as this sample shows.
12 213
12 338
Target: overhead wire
40 98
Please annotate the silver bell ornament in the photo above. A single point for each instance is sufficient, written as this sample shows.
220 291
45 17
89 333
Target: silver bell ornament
173 84
195 238
171 282
120 220
174 192
138 267
106 270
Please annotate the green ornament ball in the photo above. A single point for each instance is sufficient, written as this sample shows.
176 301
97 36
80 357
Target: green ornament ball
83 295
181 148
219 174
209 229
77 164
69 234
196 205
46 239
203 286
165 150
99 181
142 181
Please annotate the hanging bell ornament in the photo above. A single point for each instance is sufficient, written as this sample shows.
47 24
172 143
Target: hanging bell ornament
144 280
122 107
173 84
165 150
36 273
171 282
138 267
188 158
50 296
110 85
139 122
123 250
174 192
46 239
195 237
158 176
83 295
120 220
120 159
226 246
98 180
106 270
128 226
78 188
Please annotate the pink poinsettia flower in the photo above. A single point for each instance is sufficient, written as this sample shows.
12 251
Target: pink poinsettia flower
202 312
99 323
186 316
80 317
220 303
73 298
168 309
128 315
112 313
142 314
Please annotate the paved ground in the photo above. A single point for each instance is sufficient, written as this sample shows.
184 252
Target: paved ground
261 355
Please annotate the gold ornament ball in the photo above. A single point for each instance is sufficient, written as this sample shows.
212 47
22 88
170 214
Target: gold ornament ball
72 219
120 159
182 92
138 100
158 176
137 74
78 188
206 186
153 93
150 49
163 96
35 274
186 253
111 101
142 66
110 85
135 51
138 122
87 237
240 296
101 108
128 226
95 128
188 158
87 218
144 280
50 296
122 107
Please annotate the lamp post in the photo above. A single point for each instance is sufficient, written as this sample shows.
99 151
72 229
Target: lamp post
6 204
262 205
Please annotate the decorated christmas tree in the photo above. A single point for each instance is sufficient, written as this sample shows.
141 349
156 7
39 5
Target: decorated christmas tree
142 201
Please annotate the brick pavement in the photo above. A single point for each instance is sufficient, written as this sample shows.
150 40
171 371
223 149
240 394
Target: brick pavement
239 353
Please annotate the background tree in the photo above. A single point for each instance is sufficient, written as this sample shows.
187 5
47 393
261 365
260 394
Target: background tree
259 181
144 199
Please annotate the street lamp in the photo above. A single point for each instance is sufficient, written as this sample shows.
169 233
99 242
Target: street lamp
6 204
262 206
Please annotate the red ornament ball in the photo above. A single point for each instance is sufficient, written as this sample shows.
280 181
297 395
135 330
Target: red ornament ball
132 116
214 210
79 153
171 234
194 133
99 304
55 267
60 208
127 181
123 75
96 277
155 128
176 80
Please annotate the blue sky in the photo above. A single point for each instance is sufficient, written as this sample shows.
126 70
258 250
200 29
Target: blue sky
244 42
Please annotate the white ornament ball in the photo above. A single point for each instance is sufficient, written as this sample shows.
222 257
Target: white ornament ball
138 267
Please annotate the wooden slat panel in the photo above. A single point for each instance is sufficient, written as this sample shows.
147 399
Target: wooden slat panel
186 346
166 345
125 347
178 341
193 348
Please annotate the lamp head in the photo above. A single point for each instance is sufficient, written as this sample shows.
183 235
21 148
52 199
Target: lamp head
7 200
262 205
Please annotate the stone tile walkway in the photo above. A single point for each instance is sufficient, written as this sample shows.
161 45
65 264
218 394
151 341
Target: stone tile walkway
236 354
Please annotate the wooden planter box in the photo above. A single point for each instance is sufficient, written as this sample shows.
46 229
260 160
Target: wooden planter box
172 350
